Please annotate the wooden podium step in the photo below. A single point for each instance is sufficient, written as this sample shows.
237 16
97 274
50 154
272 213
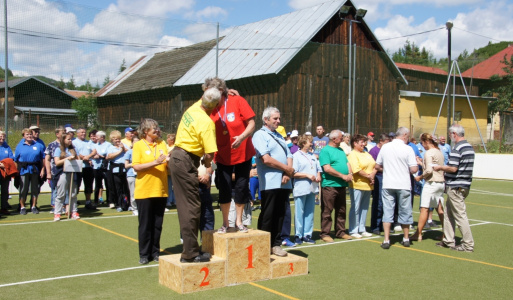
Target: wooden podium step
191 277
290 265
247 254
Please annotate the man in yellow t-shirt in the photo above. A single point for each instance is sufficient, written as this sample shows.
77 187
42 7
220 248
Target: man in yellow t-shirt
195 139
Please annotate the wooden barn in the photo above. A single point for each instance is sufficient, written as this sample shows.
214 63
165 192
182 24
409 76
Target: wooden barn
32 101
298 62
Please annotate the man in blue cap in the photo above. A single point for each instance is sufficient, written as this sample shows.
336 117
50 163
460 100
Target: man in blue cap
129 134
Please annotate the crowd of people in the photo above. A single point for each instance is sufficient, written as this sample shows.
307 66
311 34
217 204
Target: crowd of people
143 173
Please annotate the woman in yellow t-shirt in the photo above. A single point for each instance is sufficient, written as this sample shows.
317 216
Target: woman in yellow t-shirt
149 160
360 188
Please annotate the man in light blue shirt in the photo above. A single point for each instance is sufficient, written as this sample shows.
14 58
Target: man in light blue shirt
445 148
274 167
85 150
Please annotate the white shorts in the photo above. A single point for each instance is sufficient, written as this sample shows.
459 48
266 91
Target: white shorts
432 194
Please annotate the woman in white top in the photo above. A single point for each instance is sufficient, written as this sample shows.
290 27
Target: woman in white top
307 175
432 192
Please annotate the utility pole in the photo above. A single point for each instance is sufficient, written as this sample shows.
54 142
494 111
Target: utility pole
449 102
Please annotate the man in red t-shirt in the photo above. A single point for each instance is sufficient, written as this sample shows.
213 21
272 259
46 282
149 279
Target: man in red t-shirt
235 123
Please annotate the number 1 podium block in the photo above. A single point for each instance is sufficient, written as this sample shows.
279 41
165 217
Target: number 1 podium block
290 265
247 254
191 277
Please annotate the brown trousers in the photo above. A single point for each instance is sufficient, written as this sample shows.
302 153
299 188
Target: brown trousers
184 174
333 198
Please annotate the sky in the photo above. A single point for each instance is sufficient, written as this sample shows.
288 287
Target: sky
66 25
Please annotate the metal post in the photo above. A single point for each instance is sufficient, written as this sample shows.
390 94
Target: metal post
355 130
6 95
349 109
449 103
217 50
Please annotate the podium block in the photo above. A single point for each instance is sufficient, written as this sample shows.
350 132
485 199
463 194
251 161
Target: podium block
247 254
290 265
191 277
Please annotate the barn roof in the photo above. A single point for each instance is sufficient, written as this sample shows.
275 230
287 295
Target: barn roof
267 46
419 68
491 66
157 70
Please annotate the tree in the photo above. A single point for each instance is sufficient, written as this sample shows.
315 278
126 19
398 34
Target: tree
412 54
70 85
87 110
61 84
106 80
122 67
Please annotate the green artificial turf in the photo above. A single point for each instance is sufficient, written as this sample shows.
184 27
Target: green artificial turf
32 247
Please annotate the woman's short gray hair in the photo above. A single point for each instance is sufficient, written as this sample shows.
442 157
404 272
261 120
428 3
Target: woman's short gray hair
347 134
145 126
101 133
210 98
268 111
215 82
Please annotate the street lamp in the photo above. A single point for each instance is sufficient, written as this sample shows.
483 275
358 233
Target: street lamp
360 13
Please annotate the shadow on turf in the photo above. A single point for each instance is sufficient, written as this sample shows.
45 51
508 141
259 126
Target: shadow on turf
298 252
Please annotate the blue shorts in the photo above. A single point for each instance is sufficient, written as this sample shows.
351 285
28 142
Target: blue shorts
403 199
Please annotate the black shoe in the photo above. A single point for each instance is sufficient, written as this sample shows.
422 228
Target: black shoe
442 244
143 261
385 245
204 257
156 259
90 206
405 243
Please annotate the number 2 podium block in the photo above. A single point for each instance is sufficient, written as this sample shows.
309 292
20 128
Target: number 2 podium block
290 265
191 277
247 254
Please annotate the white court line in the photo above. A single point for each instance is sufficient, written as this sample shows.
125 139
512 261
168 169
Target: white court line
74 276
490 193
156 265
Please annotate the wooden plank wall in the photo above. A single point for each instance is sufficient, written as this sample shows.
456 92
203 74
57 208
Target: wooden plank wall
427 82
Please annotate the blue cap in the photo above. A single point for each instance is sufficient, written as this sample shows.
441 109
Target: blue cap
129 129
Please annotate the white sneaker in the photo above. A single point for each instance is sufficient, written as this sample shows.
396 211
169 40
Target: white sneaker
112 205
356 236
135 213
366 234
398 228
411 228
130 209
166 209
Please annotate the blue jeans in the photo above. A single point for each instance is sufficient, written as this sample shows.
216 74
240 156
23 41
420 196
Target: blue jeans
170 193
253 186
403 198
377 204
287 222
304 215
358 213
207 218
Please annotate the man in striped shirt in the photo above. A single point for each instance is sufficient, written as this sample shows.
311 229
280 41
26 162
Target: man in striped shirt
458 177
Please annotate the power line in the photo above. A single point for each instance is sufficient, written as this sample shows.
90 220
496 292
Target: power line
478 34
408 35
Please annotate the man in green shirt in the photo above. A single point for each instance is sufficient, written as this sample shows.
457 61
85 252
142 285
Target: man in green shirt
335 177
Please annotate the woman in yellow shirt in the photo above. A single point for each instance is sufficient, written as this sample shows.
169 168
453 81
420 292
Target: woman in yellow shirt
149 160
360 188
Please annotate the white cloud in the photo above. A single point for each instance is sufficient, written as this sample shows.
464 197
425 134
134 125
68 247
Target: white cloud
174 41
300 4
201 32
108 25
211 12
154 7
492 20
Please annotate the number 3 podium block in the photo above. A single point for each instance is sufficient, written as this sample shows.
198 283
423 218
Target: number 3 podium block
247 254
191 277
290 265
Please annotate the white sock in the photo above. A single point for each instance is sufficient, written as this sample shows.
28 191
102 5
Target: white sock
406 240
386 242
